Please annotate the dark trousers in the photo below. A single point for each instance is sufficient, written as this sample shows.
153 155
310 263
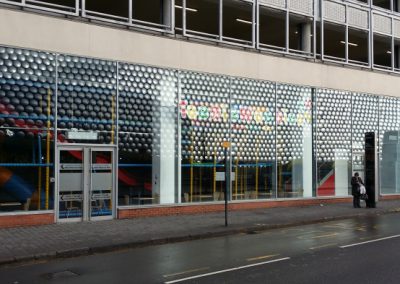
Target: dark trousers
356 201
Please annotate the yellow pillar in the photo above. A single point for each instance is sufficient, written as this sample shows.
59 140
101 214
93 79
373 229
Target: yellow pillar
48 149
191 171
236 175
215 172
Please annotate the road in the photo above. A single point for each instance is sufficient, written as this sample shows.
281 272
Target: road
347 251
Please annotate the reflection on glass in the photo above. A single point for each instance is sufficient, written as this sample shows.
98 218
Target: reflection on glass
86 101
26 129
147 135
253 139
364 119
389 125
294 141
204 126
333 142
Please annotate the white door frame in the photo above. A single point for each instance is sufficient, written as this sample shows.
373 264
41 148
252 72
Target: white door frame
86 149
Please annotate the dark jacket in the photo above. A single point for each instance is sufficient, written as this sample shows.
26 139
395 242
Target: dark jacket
355 185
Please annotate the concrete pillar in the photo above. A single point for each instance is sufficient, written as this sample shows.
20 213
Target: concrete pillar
302 168
167 17
297 175
307 162
163 174
306 38
341 172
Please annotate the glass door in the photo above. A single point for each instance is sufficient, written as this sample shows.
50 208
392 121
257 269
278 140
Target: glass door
71 184
101 184
86 182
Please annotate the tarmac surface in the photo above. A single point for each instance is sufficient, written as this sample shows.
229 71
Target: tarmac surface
24 244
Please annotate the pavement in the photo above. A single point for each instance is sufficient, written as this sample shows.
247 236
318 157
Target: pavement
26 244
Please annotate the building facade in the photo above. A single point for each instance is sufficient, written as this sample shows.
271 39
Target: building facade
122 109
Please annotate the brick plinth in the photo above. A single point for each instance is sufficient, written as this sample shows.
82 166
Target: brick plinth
125 213
9 221
389 197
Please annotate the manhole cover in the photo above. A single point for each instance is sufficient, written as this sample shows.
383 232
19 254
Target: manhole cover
61 275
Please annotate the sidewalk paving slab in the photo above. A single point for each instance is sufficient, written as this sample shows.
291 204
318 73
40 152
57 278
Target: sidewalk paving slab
25 244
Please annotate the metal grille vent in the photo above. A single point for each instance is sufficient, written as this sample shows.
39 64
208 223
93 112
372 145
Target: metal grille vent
275 3
396 28
357 18
304 6
382 24
335 12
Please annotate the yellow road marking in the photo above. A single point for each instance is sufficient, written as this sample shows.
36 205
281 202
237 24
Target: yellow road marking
262 257
308 236
186 272
323 246
337 226
324 236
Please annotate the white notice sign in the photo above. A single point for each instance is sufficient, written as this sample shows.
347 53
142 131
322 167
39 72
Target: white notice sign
220 176
82 135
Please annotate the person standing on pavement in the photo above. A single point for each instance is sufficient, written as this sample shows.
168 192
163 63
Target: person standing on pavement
356 182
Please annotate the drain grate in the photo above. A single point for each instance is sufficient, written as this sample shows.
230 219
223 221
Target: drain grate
60 275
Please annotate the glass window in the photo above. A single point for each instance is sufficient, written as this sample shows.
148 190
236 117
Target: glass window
334 41
204 114
253 139
86 109
382 51
389 144
294 141
358 46
272 28
238 21
333 142
147 135
26 130
202 17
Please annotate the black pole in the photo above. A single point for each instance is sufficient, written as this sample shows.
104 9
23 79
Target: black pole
227 181
370 169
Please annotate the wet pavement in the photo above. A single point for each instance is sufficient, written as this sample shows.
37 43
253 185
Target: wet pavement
64 240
